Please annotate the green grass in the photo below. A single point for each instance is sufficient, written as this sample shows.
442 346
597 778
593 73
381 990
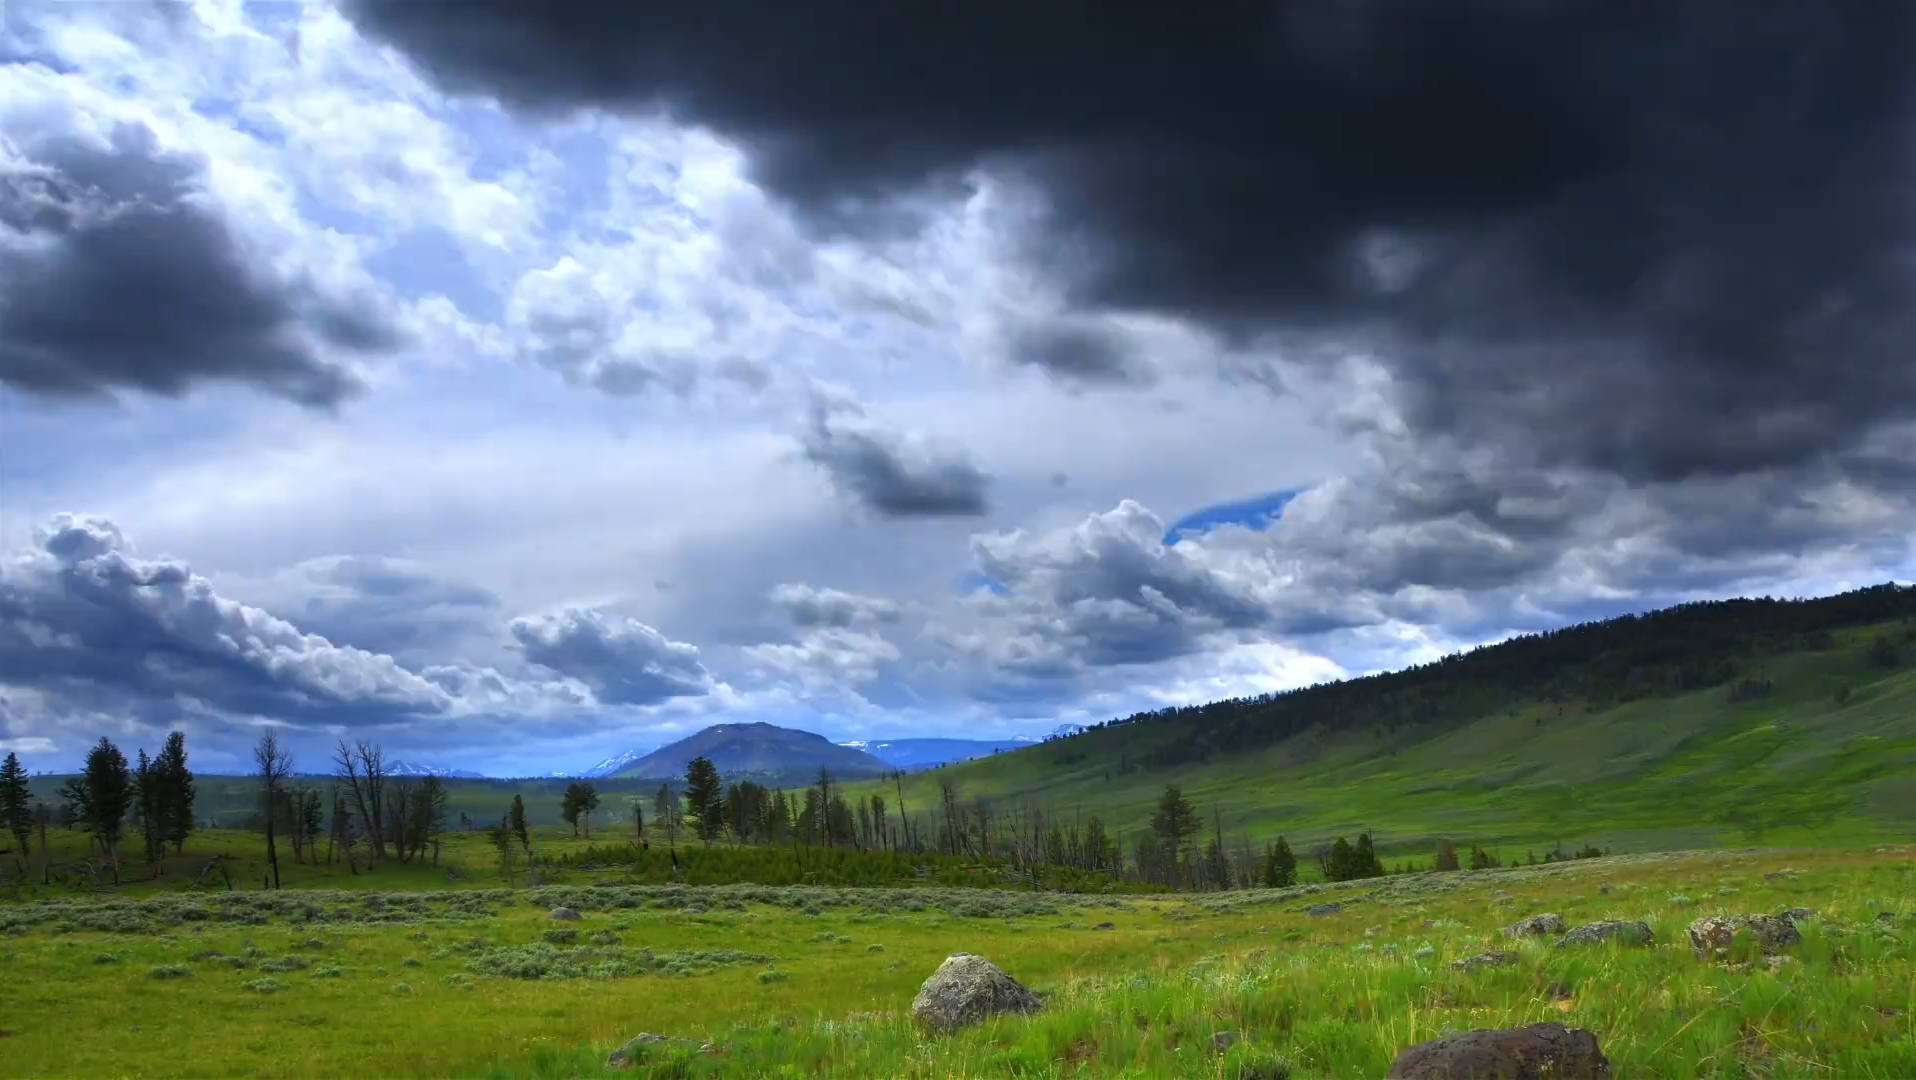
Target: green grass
310 983
1693 771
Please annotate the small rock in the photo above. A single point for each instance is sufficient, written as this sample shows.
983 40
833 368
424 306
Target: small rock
1105 926
1537 1052
1713 935
1483 960
968 988
1797 914
1622 932
1222 1041
634 1050
1324 909
563 914
1535 926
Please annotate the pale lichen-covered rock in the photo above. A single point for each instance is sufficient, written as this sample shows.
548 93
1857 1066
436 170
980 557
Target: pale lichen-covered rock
968 988
1537 1052
1535 926
563 914
1622 932
644 1043
1483 960
1713 935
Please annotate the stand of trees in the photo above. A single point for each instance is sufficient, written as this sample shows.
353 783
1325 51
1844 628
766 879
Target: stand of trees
109 794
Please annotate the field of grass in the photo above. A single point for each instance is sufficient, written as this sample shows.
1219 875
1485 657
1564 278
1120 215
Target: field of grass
1799 767
815 982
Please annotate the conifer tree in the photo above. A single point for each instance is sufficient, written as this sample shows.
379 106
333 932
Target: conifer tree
16 809
100 796
149 793
177 791
1174 822
1280 865
516 824
705 796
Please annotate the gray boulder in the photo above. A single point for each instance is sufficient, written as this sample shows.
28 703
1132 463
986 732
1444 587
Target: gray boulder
563 914
1630 932
1537 1052
1324 909
1712 936
968 988
1536 926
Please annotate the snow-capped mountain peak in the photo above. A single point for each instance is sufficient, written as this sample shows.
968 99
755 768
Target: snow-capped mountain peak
408 768
616 762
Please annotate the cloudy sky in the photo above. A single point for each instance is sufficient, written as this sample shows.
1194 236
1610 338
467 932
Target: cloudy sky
526 387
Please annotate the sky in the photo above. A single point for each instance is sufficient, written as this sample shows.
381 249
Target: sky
556 380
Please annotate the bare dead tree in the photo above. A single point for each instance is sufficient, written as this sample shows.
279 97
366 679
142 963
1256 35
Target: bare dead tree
274 763
362 766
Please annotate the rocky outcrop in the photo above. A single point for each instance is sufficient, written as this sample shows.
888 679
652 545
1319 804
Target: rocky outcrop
1536 926
1713 935
1537 1052
968 988
563 914
1317 910
1622 932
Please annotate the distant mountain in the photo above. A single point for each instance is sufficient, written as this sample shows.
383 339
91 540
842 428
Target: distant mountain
612 765
407 768
927 753
757 749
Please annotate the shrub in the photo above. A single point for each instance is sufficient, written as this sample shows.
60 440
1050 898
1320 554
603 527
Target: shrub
326 973
266 985
284 963
170 971
402 989
561 937
773 976
105 958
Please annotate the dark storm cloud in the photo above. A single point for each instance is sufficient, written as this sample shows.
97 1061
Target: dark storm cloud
80 614
892 474
117 271
1662 238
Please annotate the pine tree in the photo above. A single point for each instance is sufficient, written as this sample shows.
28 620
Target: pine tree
1446 855
16 808
1280 865
100 796
516 824
1174 822
571 805
588 804
176 785
149 793
705 796
1364 860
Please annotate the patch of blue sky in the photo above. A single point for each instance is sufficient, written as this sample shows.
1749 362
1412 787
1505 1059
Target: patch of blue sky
972 581
1254 513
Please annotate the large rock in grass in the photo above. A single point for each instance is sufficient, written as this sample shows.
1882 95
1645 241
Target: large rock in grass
1622 932
1712 936
1538 1052
1536 926
563 914
968 988
1484 960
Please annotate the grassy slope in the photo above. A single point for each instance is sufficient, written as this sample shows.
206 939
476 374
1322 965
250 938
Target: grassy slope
1690 771
1335 996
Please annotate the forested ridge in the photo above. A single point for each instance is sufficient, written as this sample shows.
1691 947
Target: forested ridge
1674 650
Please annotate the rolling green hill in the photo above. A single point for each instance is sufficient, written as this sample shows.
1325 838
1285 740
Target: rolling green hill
1733 723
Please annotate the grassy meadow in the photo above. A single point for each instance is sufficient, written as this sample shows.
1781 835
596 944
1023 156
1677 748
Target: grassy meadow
473 980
